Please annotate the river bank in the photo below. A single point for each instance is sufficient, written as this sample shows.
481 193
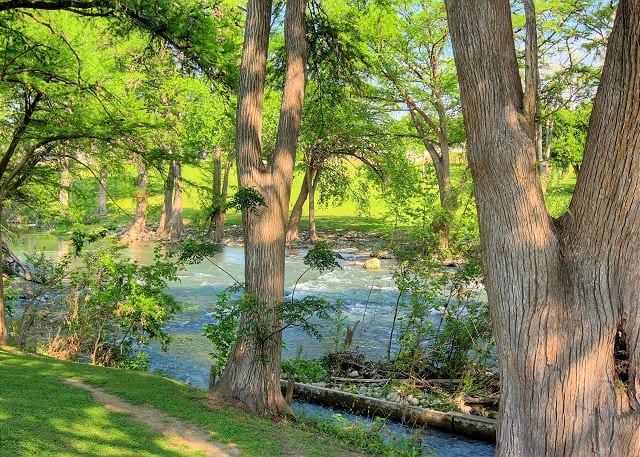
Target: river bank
367 297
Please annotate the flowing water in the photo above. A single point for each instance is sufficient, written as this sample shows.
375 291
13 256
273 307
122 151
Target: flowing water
366 297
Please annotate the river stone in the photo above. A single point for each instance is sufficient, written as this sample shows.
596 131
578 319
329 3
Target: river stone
393 396
354 374
414 401
373 264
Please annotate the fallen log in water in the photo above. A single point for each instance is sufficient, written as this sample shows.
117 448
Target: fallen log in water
463 424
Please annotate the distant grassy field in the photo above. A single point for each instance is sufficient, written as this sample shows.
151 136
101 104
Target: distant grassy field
347 216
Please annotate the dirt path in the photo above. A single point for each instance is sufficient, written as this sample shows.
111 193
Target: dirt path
179 433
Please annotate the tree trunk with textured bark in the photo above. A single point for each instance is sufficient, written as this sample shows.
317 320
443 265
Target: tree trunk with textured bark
138 227
443 173
532 90
163 226
3 322
563 293
101 210
65 182
313 232
293 226
252 375
220 188
176 224
440 159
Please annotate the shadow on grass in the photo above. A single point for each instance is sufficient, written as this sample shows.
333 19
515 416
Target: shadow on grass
59 419
40 416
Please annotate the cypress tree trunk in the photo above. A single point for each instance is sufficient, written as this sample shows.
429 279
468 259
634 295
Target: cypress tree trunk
3 322
139 225
220 187
176 224
293 226
167 205
65 182
313 233
440 159
102 192
252 375
563 294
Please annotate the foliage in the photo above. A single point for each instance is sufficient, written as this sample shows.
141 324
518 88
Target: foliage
194 251
247 198
79 238
114 303
139 361
302 370
569 136
44 270
446 330
305 313
373 439
322 257
223 331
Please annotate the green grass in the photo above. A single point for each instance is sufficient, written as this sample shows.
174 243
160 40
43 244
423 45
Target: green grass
559 193
41 416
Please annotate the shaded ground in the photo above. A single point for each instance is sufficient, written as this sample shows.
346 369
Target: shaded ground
181 434
41 416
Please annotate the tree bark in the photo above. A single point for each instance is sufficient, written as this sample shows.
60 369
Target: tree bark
163 226
176 224
65 182
138 227
532 94
313 233
252 375
563 295
101 210
440 159
219 200
293 226
3 322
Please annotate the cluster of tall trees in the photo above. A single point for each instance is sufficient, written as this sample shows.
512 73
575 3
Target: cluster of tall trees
335 87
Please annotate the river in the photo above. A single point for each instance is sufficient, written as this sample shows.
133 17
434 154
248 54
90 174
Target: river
366 296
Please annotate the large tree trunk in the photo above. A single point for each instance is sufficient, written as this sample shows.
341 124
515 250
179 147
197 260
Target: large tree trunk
443 173
138 227
101 210
563 295
176 224
252 375
293 226
3 322
220 187
163 226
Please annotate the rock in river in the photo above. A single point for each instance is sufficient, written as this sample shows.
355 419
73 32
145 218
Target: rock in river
373 264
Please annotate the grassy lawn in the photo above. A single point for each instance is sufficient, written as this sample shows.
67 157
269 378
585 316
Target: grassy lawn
41 416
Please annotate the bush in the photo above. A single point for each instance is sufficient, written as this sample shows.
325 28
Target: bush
446 330
113 303
302 370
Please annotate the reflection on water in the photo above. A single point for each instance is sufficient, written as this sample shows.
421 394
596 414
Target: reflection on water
367 297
